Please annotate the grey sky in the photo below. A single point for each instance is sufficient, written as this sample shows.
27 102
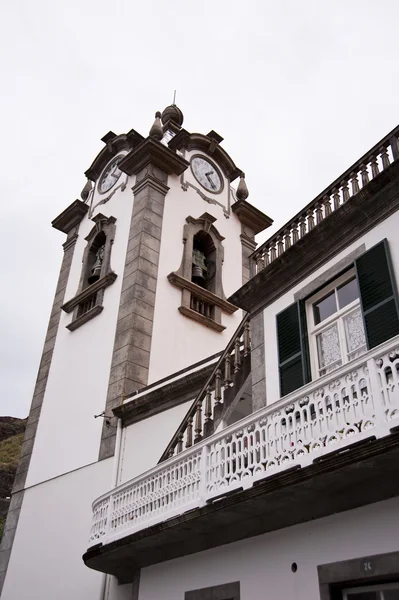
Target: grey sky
298 89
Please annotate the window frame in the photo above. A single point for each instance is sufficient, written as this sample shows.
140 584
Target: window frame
337 317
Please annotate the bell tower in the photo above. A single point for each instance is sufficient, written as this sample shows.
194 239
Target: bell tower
157 243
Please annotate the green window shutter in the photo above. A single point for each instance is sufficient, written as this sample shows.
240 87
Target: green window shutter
293 354
378 295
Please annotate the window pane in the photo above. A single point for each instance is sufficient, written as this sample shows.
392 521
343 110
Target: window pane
348 292
354 333
324 308
363 596
328 349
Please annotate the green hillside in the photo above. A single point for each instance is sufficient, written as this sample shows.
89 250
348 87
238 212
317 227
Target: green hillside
11 438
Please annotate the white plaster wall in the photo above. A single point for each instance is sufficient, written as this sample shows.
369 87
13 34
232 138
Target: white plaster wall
177 340
387 229
68 436
143 443
263 564
52 534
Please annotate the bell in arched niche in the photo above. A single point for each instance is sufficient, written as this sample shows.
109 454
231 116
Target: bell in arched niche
96 269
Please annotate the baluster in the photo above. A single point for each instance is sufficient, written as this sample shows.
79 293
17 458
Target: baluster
273 253
247 339
295 234
259 263
354 183
365 175
287 240
280 246
198 423
310 220
345 192
171 452
218 388
266 257
327 206
208 405
189 436
394 147
384 158
227 371
374 167
319 213
237 355
180 443
336 198
302 226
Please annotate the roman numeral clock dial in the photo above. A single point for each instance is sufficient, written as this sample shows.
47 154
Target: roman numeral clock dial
207 174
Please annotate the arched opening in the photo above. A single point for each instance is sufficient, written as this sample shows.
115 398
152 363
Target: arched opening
204 261
95 259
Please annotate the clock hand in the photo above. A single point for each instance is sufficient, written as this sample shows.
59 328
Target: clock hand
207 175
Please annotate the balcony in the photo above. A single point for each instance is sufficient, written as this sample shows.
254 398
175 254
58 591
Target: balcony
267 471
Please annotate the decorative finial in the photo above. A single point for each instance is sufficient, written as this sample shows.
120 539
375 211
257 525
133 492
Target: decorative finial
172 113
242 190
156 130
84 194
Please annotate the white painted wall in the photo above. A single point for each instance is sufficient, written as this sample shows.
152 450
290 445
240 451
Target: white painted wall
52 534
177 340
387 229
143 443
68 436
263 564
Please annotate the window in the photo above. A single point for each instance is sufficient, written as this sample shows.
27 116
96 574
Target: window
356 312
335 324
200 273
389 591
96 273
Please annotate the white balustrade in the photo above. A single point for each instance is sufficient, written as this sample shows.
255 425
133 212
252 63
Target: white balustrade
356 401
374 162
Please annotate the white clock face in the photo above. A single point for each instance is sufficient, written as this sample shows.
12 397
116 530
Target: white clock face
110 175
207 174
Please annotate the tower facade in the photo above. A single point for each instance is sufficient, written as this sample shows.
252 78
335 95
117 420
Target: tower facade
154 248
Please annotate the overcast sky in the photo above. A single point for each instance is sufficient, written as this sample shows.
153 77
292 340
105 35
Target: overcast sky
298 89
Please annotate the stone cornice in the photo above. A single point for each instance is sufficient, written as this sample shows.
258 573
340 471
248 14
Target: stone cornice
153 152
208 144
202 293
371 205
90 314
248 242
113 145
163 398
152 182
251 216
196 316
70 217
89 291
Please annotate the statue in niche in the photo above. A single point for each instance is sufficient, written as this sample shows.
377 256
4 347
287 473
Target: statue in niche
96 270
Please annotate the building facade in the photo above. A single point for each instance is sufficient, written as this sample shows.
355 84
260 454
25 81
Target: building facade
213 420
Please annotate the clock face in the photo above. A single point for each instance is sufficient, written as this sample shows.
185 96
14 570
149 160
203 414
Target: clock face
207 174
110 175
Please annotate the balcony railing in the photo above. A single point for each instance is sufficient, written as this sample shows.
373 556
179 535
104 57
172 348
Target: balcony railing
358 400
211 400
338 193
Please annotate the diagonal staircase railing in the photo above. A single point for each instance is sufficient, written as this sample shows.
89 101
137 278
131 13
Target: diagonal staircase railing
213 398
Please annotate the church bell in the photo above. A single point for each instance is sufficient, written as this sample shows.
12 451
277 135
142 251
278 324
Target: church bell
198 274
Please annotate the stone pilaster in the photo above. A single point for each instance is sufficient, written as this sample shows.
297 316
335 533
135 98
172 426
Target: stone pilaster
38 395
258 362
131 354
